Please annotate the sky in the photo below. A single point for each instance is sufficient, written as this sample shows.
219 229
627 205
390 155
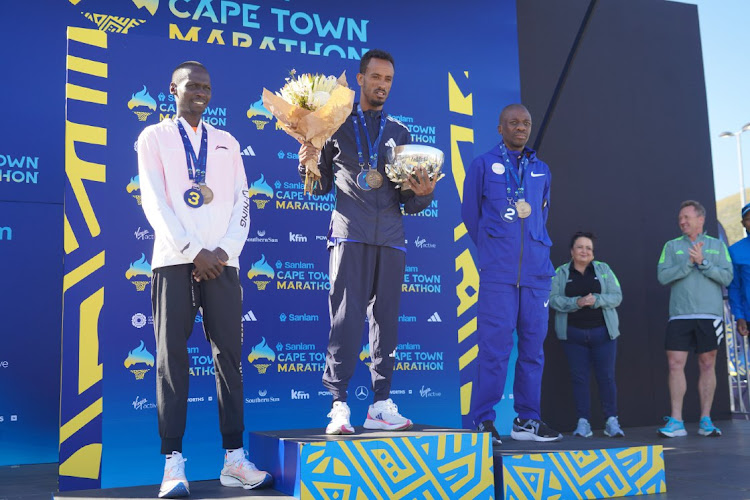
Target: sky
726 61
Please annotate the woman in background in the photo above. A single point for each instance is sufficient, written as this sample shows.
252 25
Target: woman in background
584 296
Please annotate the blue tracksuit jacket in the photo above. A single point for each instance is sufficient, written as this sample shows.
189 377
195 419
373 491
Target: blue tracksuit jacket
514 253
739 288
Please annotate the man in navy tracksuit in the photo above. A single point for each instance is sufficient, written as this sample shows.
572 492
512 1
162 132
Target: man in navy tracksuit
505 207
366 244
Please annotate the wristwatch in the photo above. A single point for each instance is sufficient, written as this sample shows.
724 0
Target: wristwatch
704 262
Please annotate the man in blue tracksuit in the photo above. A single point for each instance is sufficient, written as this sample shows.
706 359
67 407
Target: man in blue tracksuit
739 288
505 207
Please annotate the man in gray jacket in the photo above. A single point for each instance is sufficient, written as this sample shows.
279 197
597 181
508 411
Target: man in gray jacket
696 266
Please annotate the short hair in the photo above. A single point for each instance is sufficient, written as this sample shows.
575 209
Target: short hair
187 65
581 234
375 54
509 107
699 209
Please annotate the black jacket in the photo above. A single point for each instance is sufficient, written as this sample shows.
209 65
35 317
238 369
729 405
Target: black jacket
372 217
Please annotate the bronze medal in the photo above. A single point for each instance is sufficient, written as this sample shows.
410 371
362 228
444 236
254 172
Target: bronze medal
523 208
208 195
374 179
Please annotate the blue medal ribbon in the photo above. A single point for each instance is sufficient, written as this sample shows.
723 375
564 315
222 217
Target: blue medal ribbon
373 147
196 166
519 176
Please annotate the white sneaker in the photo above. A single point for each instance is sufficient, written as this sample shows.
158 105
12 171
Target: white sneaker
239 472
339 416
384 416
174 484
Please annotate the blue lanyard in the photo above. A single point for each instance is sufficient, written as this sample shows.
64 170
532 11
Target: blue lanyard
198 164
518 177
373 146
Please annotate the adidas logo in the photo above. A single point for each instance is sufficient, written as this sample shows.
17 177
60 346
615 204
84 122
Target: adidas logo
249 316
248 151
435 318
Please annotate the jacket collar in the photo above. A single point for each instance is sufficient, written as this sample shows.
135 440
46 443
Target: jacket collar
526 150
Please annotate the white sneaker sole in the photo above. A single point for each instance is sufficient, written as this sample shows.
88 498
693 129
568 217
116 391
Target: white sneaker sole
530 436
711 433
671 434
578 434
615 435
339 430
383 426
233 482
178 490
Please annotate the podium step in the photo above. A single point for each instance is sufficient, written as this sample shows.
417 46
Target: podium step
425 462
594 473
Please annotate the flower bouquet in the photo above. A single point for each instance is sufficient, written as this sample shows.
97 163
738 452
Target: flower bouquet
311 108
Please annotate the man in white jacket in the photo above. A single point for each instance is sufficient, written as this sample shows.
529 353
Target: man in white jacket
194 194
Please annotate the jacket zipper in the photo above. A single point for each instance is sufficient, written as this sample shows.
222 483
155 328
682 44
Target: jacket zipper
520 258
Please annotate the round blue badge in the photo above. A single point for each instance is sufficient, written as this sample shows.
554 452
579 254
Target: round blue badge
193 198
362 181
510 214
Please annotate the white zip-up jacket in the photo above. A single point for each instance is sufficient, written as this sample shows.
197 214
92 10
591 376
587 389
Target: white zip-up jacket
180 232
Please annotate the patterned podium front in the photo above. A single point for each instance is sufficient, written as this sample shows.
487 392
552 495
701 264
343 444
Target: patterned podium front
603 473
425 463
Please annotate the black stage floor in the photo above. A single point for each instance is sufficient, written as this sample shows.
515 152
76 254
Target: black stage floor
697 468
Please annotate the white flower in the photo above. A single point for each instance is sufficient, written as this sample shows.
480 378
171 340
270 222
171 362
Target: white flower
308 91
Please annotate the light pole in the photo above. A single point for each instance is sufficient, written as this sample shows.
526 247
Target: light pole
739 159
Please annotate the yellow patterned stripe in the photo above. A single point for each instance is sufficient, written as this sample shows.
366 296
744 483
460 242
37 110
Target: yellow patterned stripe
76 423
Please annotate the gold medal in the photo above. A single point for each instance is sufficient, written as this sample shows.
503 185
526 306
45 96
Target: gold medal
523 208
374 179
208 195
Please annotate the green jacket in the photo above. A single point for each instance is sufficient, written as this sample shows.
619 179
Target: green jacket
695 289
610 298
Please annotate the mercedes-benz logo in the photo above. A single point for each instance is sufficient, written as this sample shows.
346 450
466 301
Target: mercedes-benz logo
361 392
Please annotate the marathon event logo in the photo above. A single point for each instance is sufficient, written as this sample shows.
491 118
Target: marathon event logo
200 364
298 275
19 169
416 282
260 192
263 397
138 360
301 357
291 196
286 31
260 116
261 273
410 357
261 356
139 268
134 188
213 115
420 134
142 104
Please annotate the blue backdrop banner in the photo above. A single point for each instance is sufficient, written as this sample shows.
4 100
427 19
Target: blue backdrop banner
117 84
